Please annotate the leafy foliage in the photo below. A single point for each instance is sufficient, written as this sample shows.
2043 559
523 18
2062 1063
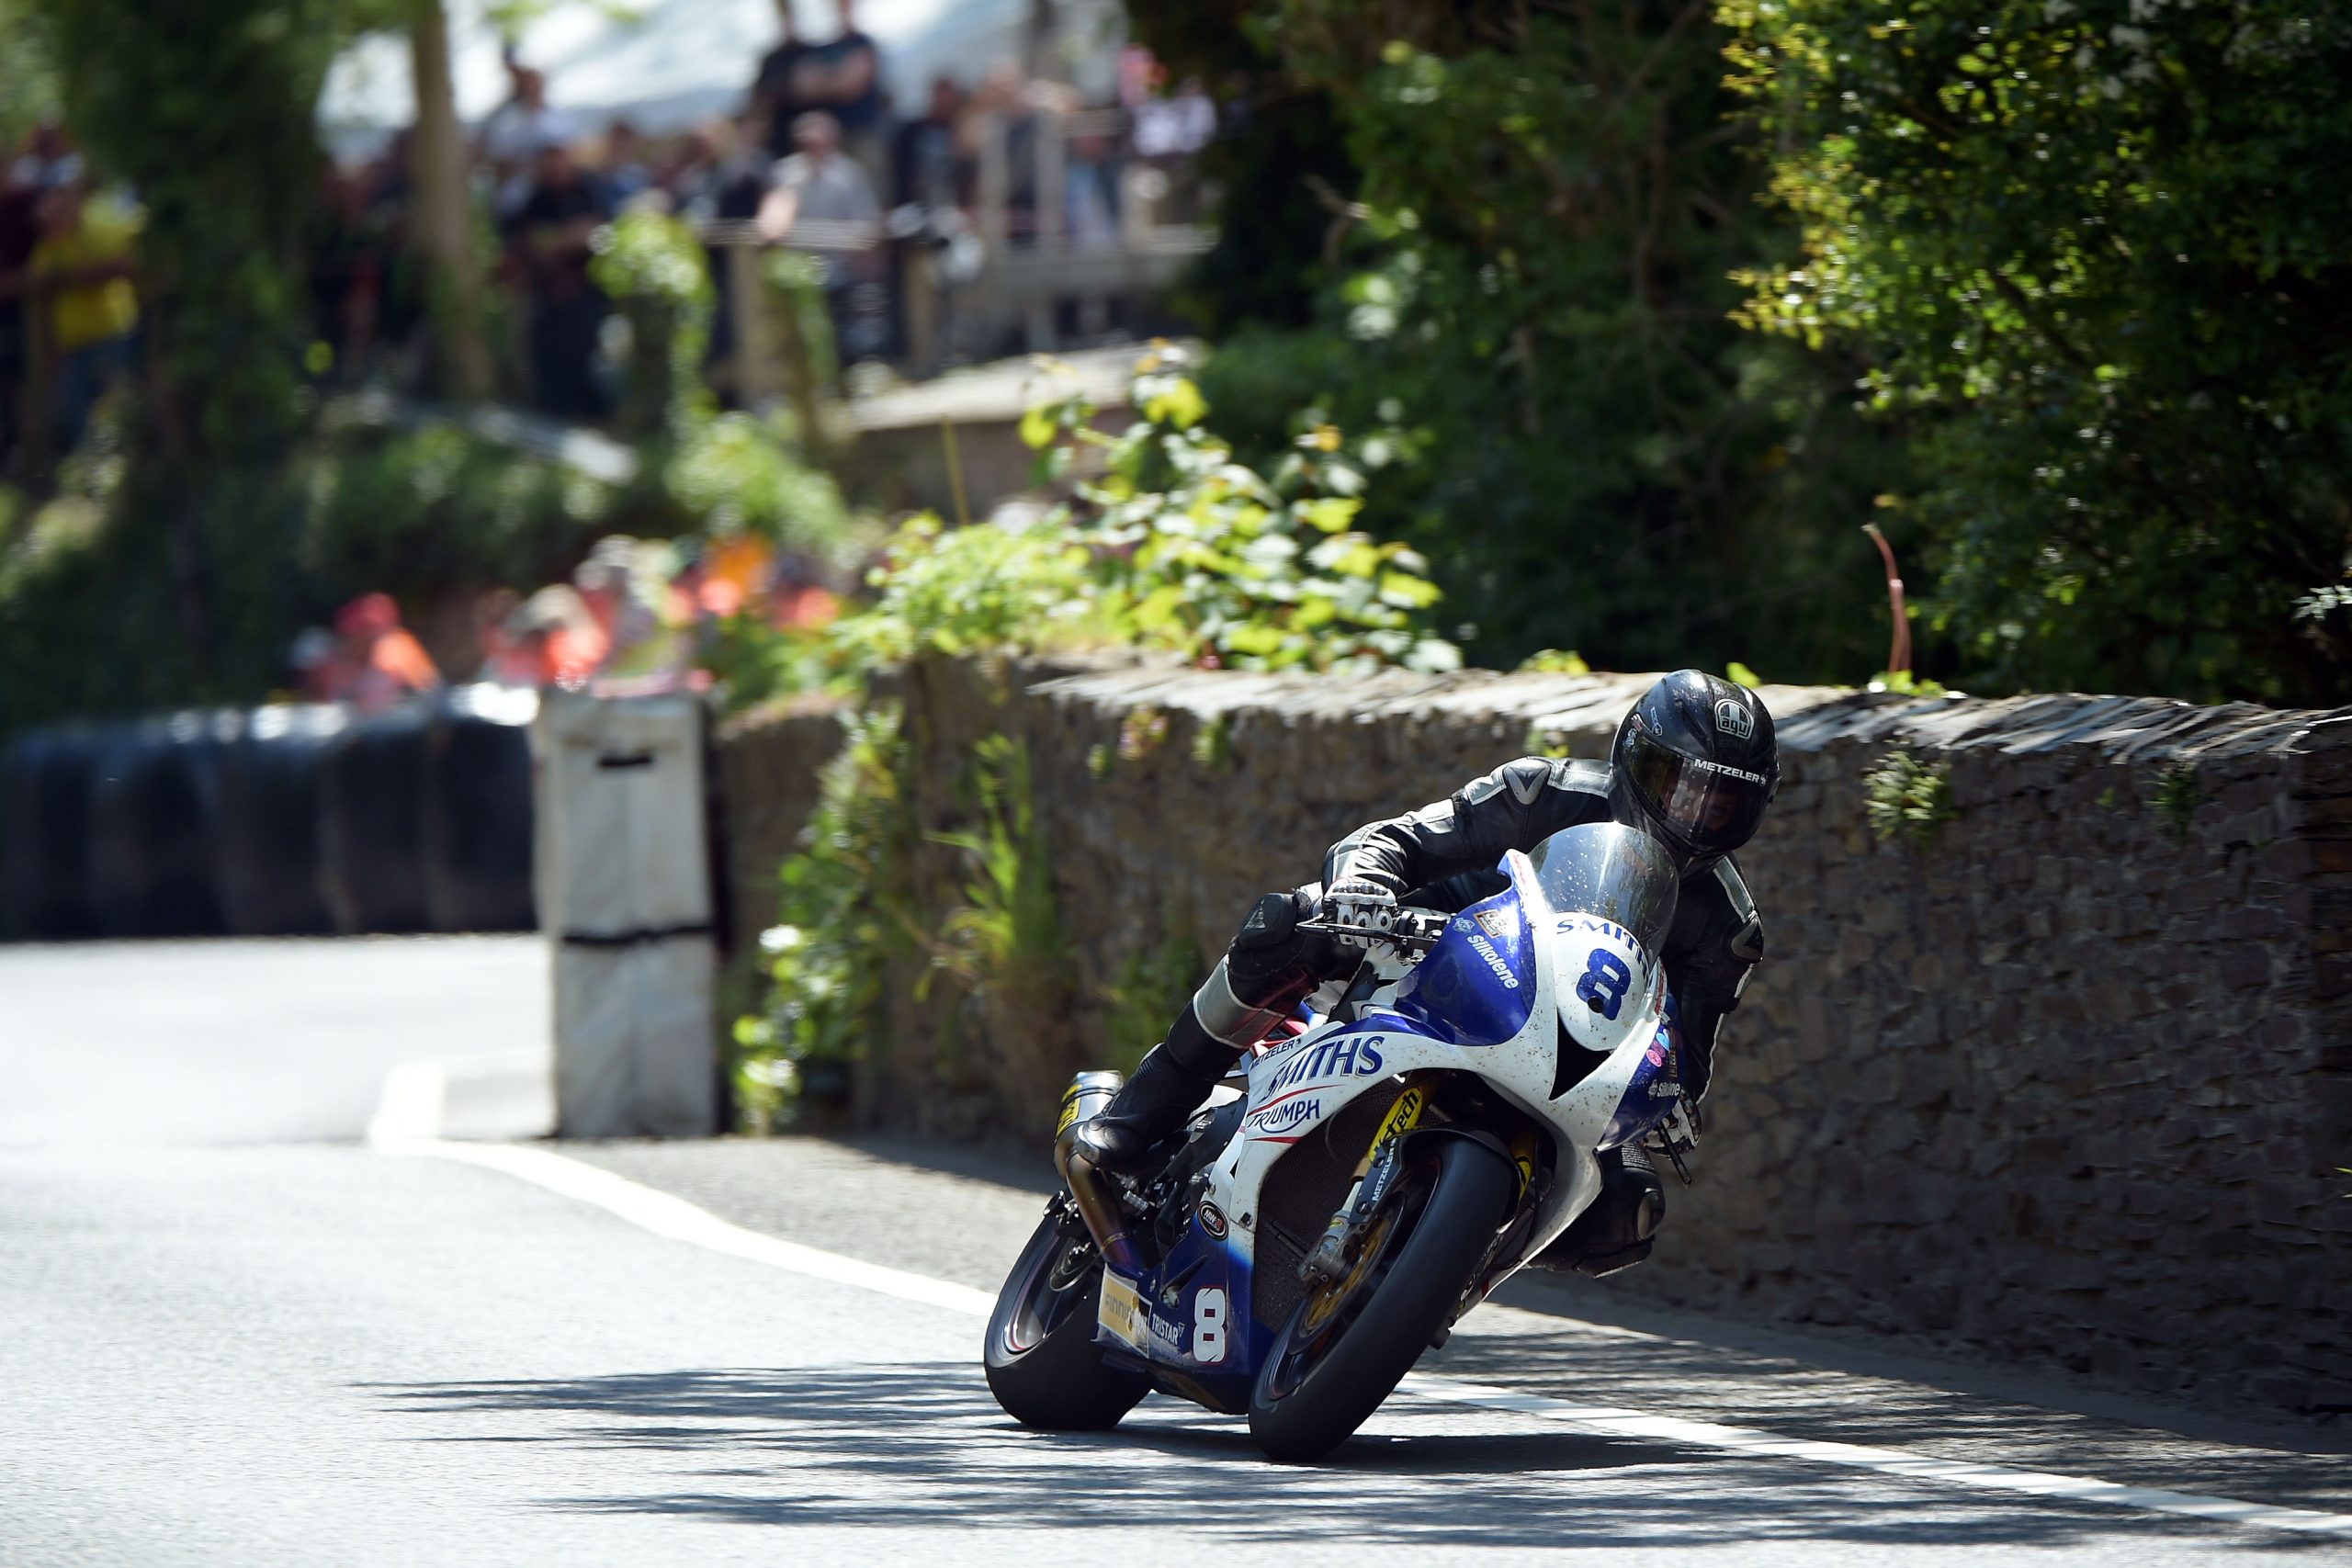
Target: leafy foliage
1906 798
658 278
178 588
1527 333
840 920
1004 944
940 589
89 618
729 472
738 472
2176 798
1195 551
1173 545
30 92
209 117
413 512
2100 254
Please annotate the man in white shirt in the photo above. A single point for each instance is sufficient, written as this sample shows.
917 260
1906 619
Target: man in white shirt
519 131
823 187
822 202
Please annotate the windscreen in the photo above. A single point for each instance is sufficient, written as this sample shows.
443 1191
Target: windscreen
1616 873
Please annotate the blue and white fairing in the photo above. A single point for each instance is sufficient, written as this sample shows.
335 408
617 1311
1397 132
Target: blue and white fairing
1550 992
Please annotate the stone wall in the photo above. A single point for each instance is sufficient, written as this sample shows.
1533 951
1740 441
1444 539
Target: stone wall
765 777
2068 1082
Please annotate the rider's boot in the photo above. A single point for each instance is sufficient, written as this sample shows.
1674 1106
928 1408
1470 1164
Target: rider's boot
1173 1078
1265 973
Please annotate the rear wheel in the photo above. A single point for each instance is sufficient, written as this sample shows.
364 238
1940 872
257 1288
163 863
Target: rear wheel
1350 1343
1043 1364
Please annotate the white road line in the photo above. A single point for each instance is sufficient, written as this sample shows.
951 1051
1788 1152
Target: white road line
1611 1422
680 1220
409 1109
409 1114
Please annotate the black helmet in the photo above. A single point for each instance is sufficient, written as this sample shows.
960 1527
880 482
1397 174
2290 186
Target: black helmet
1695 764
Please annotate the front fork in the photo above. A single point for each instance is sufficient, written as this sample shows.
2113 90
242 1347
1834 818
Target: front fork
1326 1264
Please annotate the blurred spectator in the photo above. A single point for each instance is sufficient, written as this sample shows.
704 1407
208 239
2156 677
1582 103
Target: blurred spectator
1090 194
1176 127
344 269
400 288
318 675
844 78
725 180
518 131
775 91
819 183
80 274
733 170
548 243
494 613
552 640
796 600
625 164
19 230
929 167
623 582
377 662
734 567
1004 106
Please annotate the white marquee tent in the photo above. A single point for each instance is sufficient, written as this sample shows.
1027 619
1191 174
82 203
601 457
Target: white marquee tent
667 63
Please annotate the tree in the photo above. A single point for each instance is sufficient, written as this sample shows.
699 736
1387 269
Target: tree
2098 253
28 75
445 227
1529 317
206 108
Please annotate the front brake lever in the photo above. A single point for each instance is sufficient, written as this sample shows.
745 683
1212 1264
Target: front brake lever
1679 1132
1412 943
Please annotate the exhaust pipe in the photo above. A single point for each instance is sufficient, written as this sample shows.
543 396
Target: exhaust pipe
1105 1217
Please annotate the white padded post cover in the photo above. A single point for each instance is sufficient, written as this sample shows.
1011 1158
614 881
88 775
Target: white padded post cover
625 895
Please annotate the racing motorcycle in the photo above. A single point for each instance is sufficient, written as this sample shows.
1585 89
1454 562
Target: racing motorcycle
1387 1163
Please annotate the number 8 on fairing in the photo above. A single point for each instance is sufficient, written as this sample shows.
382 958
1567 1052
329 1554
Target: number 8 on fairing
1602 985
1208 1325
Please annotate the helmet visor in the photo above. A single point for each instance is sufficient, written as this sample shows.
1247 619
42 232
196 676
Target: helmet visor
1712 806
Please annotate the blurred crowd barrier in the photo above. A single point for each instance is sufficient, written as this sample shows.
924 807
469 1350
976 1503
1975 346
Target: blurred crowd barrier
287 820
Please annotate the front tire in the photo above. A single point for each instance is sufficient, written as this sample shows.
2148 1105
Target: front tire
1043 1364
1348 1346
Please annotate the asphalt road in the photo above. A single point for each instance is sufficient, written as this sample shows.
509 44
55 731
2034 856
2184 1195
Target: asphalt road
233 1332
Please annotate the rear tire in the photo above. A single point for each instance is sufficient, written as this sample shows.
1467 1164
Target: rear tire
1043 1364
1320 1381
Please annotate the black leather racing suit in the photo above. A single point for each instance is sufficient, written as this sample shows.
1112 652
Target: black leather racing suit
1443 856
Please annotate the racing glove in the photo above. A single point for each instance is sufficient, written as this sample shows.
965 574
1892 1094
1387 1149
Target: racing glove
1361 902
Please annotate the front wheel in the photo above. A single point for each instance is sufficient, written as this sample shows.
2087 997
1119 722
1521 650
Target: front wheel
1350 1344
1043 1364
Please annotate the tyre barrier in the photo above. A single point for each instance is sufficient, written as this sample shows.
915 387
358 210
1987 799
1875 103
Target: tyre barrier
155 787
45 836
267 833
284 821
371 824
477 825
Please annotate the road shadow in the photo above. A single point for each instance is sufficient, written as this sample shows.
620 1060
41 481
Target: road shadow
1792 1398
916 1446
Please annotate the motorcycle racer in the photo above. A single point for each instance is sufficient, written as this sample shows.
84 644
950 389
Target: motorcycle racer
1693 764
